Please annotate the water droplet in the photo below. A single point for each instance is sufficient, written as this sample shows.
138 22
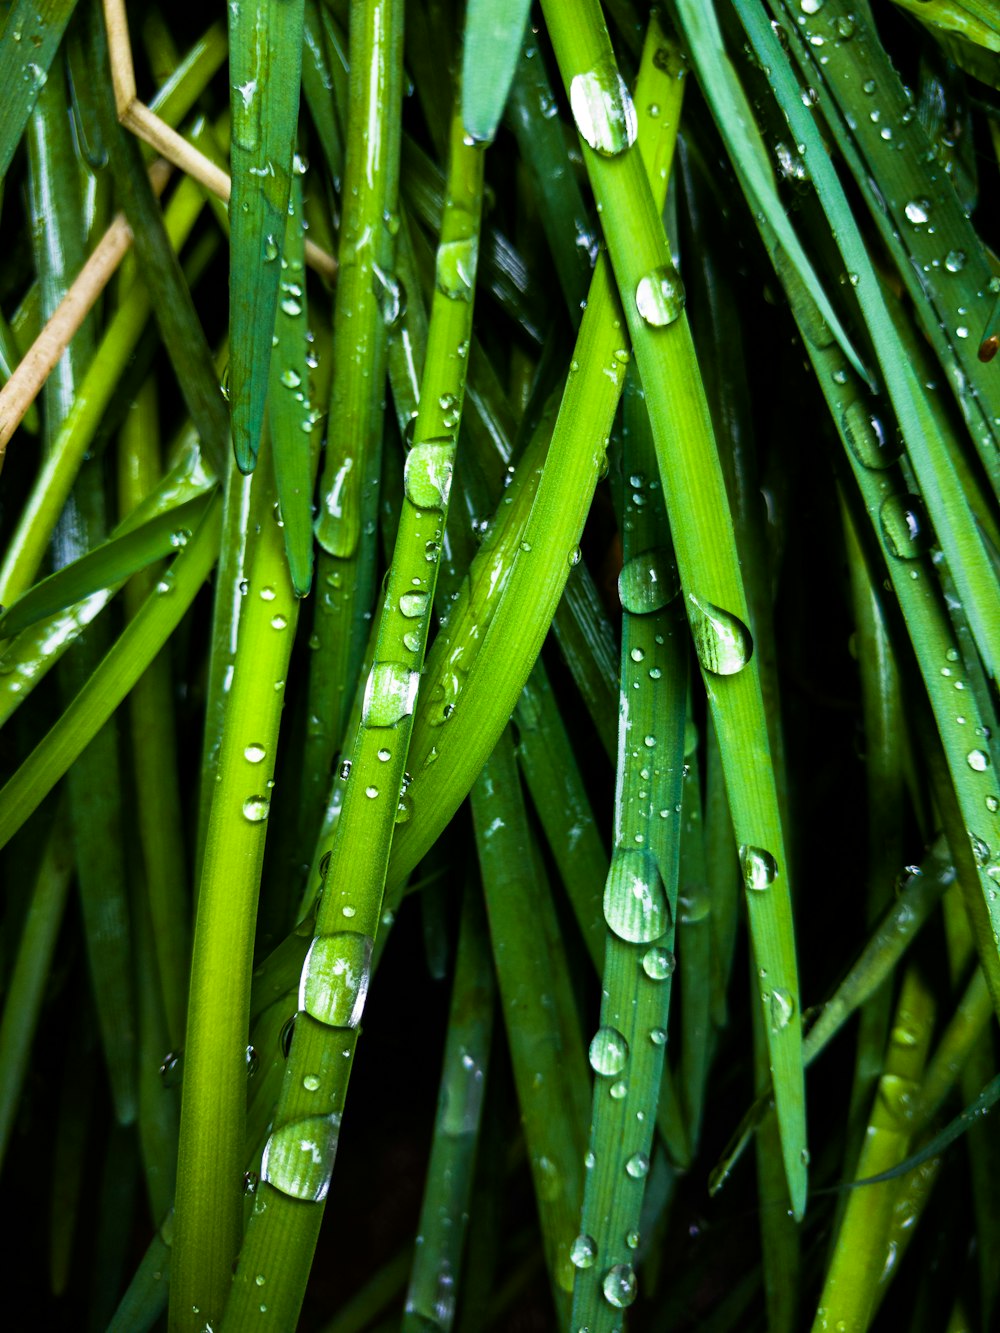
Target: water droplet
659 296
603 110
782 1007
573 558
334 981
427 473
390 694
270 249
390 295
256 808
290 378
658 963
455 271
371 792
811 6
291 307
618 1089
955 261
413 604
759 867
658 1036
583 1251
636 906
648 581
918 211
721 640
619 1286
171 1068
298 1158
310 1082
608 1051
413 641
867 438
906 527
404 810
978 760
279 622
637 1166
267 594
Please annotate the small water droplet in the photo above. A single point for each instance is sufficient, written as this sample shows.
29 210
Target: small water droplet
721 640
290 378
390 295
759 867
978 760
256 808
267 594
254 753
658 1036
455 271
659 296
658 963
906 527
603 110
618 1089
413 604
310 1082
955 261
583 1251
867 438
619 1286
390 694
782 1007
918 211
335 976
608 1051
637 1166
427 474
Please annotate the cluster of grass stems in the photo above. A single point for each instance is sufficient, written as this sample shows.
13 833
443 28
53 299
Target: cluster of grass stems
500 564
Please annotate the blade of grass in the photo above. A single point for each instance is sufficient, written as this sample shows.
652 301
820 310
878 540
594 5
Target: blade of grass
265 71
703 537
31 38
491 44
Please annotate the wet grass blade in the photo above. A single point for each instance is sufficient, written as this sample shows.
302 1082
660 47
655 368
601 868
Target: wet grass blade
30 40
265 71
704 543
491 45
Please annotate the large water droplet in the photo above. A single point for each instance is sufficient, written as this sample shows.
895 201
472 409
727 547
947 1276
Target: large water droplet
427 473
390 296
254 753
608 1051
298 1158
659 296
759 867
603 110
390 694
637 1165
906 527
413 604
918 211
583 1251
867 438
619 1286
721 640
333 985
455 272
978 760
636 906
648 581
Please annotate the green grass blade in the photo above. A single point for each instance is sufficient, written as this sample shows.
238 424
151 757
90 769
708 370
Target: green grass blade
208 1204
294 440
703 537
106 567
117 673
24 991
491 44
437 1262
265 70
30 40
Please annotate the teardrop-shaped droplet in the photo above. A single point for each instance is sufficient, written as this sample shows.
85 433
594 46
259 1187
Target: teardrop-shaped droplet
721 640
390 295
637 1165
298 1158
603 109
906 527
759 867
390 694
868 440
659 296
334 981
427 473
782 1008
455 271
636 906
583 1251
648 581
619 1286
608 1051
